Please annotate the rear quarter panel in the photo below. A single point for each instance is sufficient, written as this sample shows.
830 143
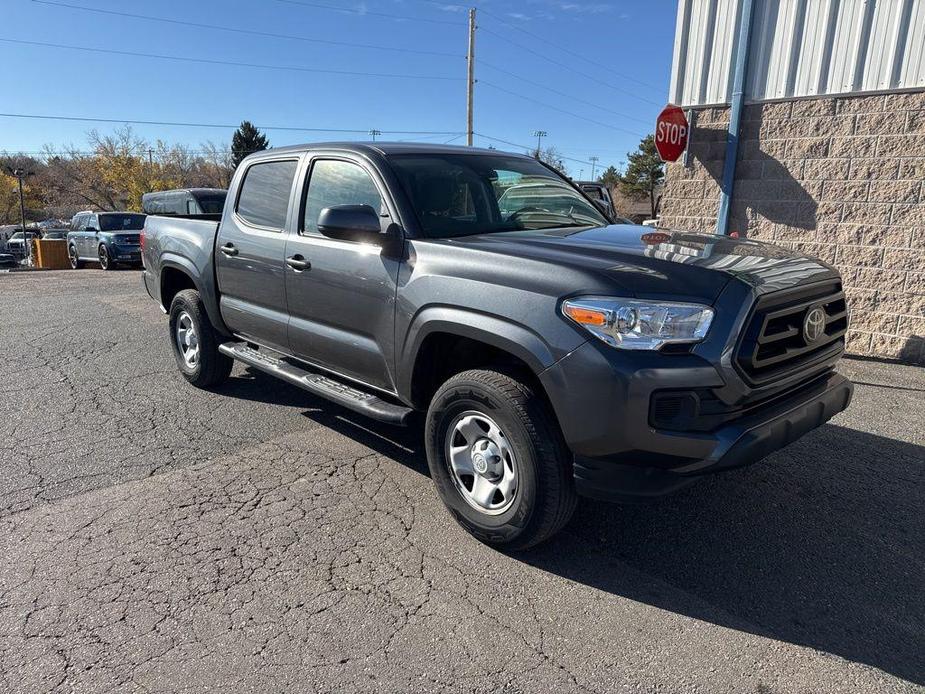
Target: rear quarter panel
186 245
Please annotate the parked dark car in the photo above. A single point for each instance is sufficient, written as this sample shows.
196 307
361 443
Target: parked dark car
108 238
185 201
553 353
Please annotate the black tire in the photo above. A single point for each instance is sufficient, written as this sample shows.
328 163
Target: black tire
76 262
105 261
545 497
211 367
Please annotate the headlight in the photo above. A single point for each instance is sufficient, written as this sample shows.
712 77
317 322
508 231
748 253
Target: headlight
632 324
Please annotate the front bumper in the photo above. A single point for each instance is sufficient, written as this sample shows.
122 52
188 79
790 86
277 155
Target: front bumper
125 254
620 456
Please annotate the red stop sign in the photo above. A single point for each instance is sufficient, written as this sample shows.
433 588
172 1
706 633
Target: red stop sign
671 131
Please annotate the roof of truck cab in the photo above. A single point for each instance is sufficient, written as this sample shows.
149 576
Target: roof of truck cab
388 148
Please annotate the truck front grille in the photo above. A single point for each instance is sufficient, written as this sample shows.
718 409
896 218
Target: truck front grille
775 343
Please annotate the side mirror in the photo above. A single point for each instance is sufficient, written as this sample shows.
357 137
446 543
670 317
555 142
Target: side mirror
351 223
93 229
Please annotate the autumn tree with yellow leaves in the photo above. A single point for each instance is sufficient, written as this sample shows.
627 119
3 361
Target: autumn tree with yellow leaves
117 170
9 199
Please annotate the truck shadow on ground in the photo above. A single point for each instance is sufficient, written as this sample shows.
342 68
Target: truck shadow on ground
821 545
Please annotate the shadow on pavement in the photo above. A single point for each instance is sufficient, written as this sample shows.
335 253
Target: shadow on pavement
821 545
403 444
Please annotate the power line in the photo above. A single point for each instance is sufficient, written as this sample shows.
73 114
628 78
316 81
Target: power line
129 121
528 148
564 66
556 108
363 12
556 91
211 61
252 32
547 42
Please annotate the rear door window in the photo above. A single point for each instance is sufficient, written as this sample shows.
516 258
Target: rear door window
264 197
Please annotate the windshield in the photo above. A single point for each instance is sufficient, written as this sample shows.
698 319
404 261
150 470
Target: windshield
463 194
121 222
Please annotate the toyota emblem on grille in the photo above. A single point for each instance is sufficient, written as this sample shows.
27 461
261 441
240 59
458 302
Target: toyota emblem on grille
813 325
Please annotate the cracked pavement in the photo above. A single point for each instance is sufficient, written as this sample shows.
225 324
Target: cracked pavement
157 538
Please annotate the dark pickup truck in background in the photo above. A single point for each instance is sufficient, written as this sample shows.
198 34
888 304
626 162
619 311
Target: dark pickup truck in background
555 354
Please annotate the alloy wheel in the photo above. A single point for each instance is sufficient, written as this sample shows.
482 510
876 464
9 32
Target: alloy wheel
187 340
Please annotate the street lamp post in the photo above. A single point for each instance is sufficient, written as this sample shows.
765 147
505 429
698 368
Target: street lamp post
27 251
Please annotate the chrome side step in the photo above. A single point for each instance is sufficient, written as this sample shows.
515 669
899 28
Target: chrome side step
318 384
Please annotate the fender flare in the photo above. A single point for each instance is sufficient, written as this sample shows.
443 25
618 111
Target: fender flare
493 330
186 266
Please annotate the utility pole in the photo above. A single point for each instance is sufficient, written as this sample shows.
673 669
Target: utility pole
539 135
594 161
150 157
374 132
470 79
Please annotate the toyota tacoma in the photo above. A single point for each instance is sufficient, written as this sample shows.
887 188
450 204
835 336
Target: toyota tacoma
552 353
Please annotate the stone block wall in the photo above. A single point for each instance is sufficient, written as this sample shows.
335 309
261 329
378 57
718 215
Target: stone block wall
841 179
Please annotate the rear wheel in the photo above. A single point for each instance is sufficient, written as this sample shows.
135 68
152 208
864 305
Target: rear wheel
498 459
105 261
195 342
76 262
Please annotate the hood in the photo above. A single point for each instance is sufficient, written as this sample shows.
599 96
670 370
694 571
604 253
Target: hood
656 264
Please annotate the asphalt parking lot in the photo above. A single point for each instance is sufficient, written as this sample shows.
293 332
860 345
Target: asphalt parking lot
157 538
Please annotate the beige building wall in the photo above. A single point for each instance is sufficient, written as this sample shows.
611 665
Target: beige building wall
841 179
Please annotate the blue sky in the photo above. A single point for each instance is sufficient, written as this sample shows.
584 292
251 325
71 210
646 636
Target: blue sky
593 75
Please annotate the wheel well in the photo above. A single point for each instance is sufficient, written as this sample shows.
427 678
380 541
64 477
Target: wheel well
443 355
173 282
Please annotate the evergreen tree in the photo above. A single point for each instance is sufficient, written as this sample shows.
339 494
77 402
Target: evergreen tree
610 177
246 139
644 172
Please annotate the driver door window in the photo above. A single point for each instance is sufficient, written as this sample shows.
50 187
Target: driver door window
333 182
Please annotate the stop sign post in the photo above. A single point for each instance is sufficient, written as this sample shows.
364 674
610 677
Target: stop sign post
671 133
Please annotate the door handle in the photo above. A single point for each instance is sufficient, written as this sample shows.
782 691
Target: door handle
229 249
298 263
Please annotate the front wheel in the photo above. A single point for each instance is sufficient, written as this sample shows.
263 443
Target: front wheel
105 261
195 342
76 262
498 459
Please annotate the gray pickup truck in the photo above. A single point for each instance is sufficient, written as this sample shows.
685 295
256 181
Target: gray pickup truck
553 353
